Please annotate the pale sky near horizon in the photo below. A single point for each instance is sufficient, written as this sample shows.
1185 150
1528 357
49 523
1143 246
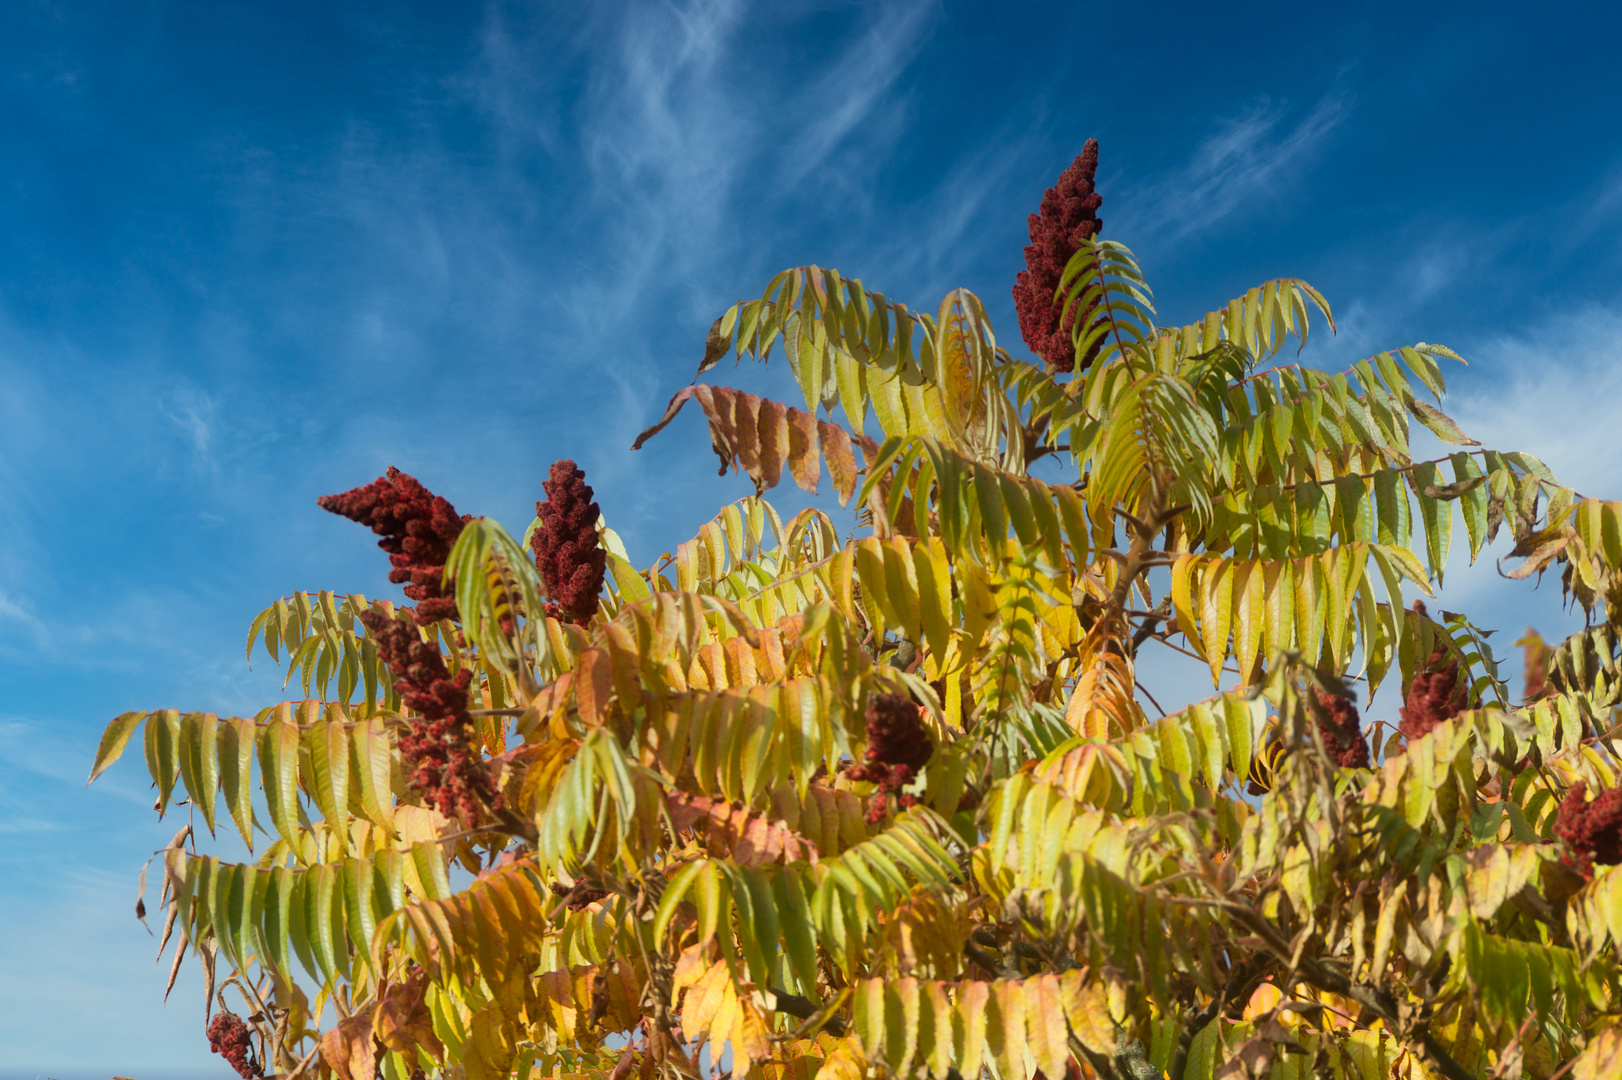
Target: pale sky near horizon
253 253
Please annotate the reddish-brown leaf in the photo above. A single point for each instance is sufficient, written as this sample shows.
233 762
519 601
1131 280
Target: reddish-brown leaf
748 838
746 421
402 1021
772 442
841 458
804 449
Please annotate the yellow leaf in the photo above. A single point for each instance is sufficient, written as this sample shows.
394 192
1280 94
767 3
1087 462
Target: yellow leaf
969 1026
1601 1059
1216 614
1086 1007
1045 1028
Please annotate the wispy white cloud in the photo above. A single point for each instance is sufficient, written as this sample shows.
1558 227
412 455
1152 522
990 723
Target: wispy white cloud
1247 160
1557 394
664 135
847 93
19 611
957 220
193 412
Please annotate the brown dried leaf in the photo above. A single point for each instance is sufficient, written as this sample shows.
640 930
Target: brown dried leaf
402 1021
349 1050
716 345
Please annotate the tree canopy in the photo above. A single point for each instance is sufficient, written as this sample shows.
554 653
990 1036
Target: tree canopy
880 794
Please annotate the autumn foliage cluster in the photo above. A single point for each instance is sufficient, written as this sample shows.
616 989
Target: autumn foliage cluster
880 791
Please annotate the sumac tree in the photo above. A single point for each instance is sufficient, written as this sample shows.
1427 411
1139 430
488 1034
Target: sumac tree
889 803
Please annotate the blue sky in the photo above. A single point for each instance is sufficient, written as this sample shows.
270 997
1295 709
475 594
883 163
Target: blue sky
252 253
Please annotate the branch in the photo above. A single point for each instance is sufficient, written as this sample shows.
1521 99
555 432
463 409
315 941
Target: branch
804 1008
990 961
1380 1003
1161 613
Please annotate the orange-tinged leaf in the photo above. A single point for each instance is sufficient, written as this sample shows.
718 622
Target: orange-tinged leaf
751 1041
748 838
593 684
841 458
705 999
1046 1031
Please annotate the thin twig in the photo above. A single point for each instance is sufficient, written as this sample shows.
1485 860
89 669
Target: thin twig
1193 655
1150 696
298 1070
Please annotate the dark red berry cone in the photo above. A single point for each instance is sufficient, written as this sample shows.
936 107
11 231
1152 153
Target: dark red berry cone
230 1038
1434 695
571 561
1069 215
418 530
898 746
446 767
1592 830
1342 731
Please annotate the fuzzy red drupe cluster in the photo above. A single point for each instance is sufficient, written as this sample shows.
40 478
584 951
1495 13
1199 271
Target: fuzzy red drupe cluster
1068 216
1342 731
418 530
1592 830
446 768
1434 695
567 554
897 747
229 1037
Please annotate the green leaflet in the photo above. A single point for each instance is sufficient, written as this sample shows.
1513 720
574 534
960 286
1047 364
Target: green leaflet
322 646
325 914
213 755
